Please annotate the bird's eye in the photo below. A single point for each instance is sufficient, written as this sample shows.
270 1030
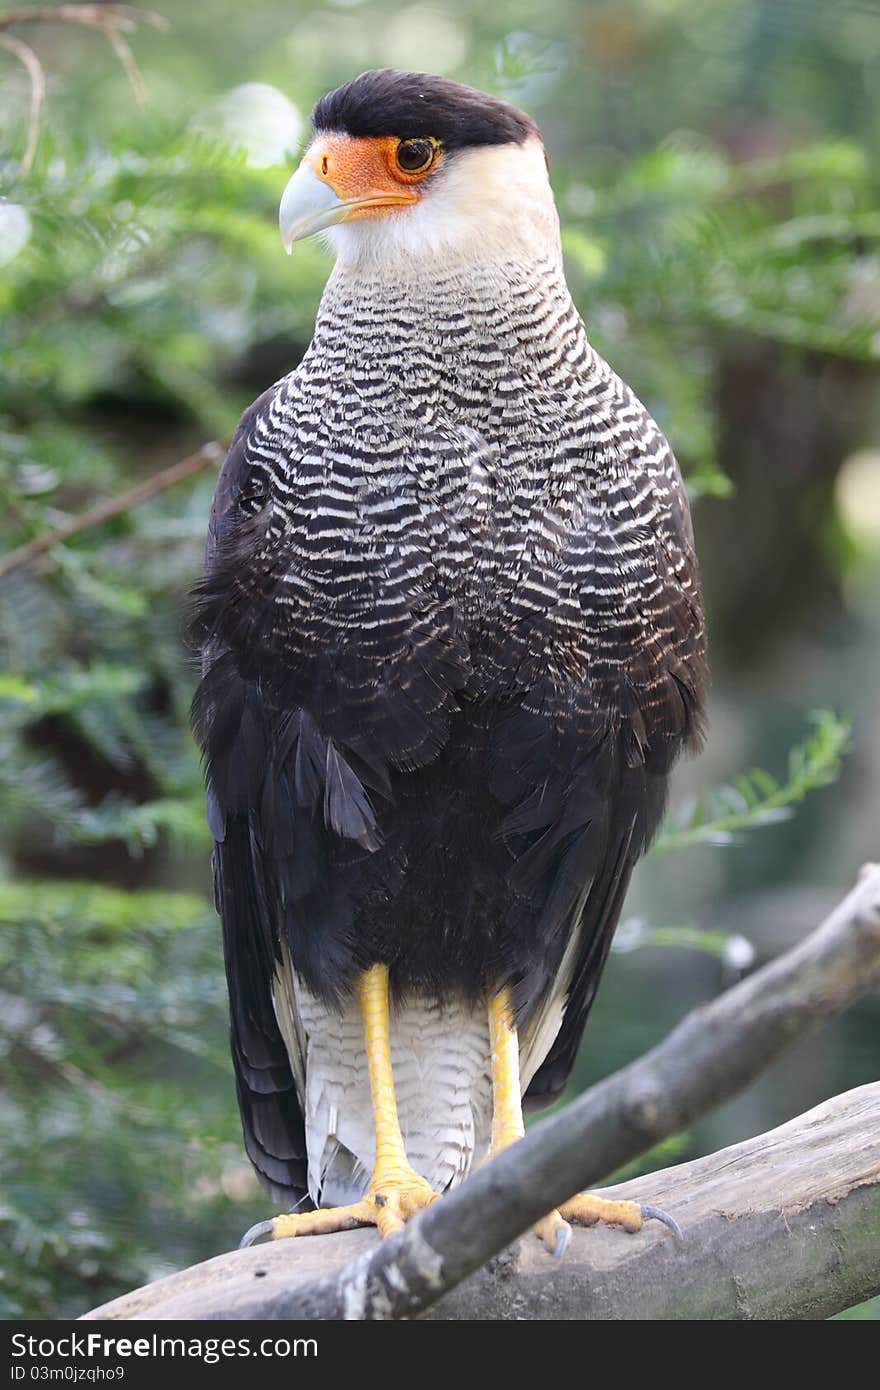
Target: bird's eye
415 156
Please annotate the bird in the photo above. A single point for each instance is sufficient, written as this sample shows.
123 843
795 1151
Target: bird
451 643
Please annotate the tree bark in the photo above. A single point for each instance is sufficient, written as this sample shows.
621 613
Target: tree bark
713 1053
784 1226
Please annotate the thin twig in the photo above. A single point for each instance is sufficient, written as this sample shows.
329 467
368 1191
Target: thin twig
126 17
110 20
34 68
115 506
129 66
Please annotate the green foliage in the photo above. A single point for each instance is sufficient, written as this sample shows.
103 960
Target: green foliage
121 1154
756 799
862 1312
144 301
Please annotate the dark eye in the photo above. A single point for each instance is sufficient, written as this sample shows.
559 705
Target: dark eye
413 156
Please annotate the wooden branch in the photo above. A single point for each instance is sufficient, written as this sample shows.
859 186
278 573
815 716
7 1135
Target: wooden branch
784 1226
115 506
713 1053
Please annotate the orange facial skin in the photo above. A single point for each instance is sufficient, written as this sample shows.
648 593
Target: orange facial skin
364 172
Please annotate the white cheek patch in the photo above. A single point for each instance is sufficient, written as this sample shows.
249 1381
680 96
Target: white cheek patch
488 203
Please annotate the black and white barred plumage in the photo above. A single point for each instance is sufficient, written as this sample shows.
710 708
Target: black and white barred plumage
452 643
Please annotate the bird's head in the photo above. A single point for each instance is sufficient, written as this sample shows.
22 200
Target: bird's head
404 165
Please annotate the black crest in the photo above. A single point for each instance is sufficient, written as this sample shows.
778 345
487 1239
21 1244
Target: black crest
412 104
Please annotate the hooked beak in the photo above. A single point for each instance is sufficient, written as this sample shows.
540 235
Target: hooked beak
340 178
308 205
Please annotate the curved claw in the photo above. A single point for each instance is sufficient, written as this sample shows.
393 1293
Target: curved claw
563 1238
252 1236
658 1214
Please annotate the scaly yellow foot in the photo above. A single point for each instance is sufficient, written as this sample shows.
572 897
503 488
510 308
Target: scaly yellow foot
586 1209
387 1208
553 1230
396 1190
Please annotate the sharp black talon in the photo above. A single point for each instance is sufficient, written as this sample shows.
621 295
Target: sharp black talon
251 1237
563 1236
658 1214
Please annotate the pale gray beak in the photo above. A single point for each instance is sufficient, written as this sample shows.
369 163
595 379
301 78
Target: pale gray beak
307 206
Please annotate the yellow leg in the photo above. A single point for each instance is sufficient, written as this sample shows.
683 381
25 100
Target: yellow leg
507 1126
396 1190
507 1116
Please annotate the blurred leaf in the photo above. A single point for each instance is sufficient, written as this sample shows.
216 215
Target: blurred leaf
756 799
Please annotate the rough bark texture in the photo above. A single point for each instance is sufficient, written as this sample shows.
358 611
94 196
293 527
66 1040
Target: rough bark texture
783 1226
711 1055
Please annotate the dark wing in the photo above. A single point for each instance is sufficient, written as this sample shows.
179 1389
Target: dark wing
230 724
595 797
601 864
330 656
271 1113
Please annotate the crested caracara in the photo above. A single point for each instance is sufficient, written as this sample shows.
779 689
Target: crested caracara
452 644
